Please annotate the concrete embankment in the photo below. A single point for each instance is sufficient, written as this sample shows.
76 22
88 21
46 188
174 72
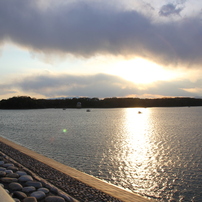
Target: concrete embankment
77 184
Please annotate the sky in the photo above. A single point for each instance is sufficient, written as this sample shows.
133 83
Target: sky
100 48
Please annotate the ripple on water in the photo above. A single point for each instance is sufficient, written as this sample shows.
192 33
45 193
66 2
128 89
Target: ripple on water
157 153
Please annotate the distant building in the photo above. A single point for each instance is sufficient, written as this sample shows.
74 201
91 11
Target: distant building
78 105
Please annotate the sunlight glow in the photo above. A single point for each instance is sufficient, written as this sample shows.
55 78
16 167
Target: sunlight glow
138 148
141 71
136 126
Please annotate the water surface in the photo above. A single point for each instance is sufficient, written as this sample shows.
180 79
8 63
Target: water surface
156 153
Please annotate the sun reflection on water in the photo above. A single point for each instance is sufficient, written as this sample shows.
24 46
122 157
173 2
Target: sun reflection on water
136 127
137 153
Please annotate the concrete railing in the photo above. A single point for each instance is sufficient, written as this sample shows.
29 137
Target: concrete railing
4 196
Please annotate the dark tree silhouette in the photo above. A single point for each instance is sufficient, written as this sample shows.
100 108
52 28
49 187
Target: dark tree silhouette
25 102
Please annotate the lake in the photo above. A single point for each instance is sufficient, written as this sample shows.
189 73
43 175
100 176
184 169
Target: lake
156 153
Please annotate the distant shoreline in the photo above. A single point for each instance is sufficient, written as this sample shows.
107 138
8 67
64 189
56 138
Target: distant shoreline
24 102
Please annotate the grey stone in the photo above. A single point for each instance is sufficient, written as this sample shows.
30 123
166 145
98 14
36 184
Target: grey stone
43 183
12 175
1 163
67 198
45 190
8 179
25 178
2 173
20 173
15 186
2 169
8 171
34 184
47 185
54 199
38 195
54 190
13 168
30 199
28 189
19 195
8 164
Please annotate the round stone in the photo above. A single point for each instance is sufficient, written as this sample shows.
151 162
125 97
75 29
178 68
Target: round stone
34 184
30 199
20 173
15 186
66 197
45 190
2 169
2 173
8 179
19 195
25 178
54 190
8 171
38 195
28 189
8 164
54 199
13 168
13 175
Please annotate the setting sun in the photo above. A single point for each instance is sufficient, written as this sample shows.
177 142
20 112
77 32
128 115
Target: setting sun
141 71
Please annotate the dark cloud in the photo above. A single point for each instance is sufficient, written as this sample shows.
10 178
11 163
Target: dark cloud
93 28
172 89
170 9
99 85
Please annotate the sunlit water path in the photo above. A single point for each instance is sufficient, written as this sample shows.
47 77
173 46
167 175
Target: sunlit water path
156 153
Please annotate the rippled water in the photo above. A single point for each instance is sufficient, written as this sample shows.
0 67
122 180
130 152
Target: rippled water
157 153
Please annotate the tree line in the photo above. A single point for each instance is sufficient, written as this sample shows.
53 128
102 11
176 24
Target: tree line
26 102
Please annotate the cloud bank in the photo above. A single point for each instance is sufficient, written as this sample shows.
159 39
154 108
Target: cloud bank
89 28
99 85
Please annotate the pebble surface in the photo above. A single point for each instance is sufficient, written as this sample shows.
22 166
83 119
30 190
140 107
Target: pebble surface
57 187
22 186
